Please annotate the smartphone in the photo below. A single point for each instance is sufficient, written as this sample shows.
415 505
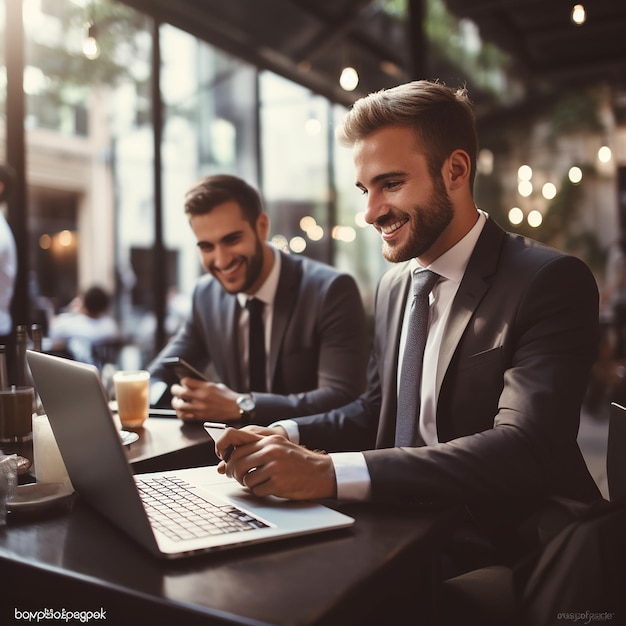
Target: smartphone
214 429
181 368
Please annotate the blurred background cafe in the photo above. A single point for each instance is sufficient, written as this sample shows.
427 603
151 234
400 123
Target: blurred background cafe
112 109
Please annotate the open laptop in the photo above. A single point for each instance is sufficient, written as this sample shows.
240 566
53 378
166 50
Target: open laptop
79 414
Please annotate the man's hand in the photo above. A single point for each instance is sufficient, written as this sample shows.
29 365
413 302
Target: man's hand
201 400
269 464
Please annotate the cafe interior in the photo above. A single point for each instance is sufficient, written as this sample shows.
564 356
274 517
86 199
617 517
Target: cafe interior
112 109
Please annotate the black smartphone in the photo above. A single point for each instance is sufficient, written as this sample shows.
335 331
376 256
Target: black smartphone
181 368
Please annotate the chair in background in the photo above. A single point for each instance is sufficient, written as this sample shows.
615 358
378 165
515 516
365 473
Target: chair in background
106 355
107 352
616 452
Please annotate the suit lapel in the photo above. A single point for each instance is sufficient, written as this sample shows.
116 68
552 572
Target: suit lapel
388 330
482 264
284 302
396 303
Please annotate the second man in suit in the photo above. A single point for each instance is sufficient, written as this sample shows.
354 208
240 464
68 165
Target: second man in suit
314 340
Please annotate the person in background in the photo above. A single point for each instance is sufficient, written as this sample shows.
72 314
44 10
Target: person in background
313 345
87 322
8 269
512 333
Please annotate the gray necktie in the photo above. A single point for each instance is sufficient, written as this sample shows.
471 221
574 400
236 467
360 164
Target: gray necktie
411 375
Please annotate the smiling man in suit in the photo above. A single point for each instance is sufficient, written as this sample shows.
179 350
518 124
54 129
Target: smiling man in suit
313 352
512 335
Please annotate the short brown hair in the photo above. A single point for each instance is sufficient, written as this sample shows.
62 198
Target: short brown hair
212 191
441 117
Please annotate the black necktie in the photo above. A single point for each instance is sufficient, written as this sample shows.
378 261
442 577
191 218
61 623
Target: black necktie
256 345
407 423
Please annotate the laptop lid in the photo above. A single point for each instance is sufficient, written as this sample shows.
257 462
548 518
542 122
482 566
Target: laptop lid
79 414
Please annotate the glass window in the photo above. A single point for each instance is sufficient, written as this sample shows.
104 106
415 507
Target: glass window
209 127
358 244
294 154
90 159
308 183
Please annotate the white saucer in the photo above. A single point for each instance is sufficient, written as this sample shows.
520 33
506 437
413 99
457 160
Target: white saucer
128 437
38 495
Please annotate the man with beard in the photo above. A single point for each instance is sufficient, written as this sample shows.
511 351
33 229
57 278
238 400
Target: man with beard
313 331
512 335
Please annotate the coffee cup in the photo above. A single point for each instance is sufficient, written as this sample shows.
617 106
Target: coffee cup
131 393
16 410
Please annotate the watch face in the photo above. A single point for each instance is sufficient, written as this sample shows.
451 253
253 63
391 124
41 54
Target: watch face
246 403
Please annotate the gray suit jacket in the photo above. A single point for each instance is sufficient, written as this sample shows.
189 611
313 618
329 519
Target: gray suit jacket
513 369
319 345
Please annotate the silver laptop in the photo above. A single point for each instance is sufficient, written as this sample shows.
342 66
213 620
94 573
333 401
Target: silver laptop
218 512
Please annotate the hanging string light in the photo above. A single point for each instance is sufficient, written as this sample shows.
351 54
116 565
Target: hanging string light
349 79
578 15
91 49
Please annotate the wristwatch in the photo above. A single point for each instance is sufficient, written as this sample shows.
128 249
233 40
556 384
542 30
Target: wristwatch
247 406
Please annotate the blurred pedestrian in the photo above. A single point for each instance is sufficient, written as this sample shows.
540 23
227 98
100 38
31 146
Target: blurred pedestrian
8 268
74 332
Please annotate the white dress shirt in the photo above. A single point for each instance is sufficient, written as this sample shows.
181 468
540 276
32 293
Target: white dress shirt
266 293
352 475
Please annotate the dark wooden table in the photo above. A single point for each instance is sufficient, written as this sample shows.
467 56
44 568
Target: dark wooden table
167 443
70 558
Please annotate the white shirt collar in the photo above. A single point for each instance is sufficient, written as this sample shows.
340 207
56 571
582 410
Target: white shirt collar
452 263
267 291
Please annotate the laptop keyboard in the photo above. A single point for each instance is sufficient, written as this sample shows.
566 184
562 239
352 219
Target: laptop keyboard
176 510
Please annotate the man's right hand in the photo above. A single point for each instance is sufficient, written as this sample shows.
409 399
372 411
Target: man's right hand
200 400
270 464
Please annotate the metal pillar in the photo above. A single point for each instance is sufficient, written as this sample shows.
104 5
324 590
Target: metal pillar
159 284
16 155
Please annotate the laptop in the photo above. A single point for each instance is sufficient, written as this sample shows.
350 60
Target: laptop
223 513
